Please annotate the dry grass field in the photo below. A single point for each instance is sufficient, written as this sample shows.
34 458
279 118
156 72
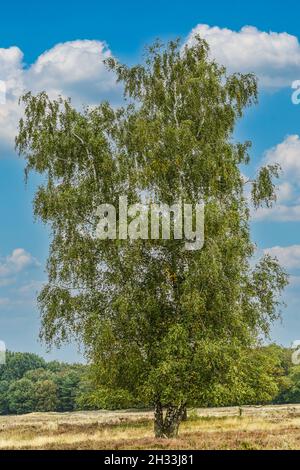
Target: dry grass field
268 427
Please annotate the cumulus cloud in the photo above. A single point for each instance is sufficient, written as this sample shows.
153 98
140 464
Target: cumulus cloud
16 262
273 57
288 256
11 73
287 154
74 69
287 208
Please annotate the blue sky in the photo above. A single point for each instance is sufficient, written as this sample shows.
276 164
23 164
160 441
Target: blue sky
59 46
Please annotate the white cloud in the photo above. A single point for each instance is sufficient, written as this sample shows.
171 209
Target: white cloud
16 262
287 154
20 295
11 73
274 57
287 208
72 69
294 282
30 288
288 256
278 213
285 192
14 268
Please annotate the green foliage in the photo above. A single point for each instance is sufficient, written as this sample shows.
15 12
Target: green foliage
67 385
263 188
291 392
46 396
21 396
4 405
55 366
105 398
19 363
254 381
28 383
38 375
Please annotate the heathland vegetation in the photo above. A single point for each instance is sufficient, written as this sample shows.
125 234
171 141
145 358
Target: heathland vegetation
266 427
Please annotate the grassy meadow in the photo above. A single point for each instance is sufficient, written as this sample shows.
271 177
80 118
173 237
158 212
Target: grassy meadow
267 427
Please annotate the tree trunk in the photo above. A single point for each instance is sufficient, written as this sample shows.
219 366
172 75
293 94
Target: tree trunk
158 420
168 426
184 415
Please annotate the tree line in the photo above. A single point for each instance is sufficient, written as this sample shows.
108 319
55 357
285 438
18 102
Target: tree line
30 384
